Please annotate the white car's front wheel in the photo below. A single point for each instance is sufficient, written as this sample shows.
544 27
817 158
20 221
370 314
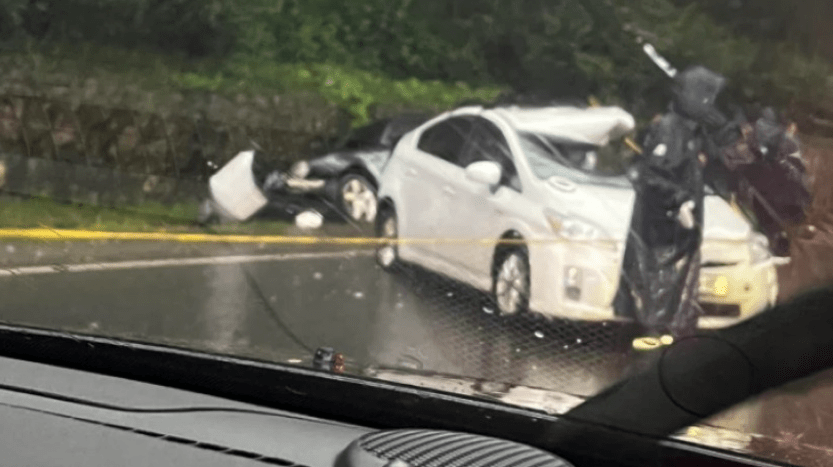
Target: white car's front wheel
511 282
358 198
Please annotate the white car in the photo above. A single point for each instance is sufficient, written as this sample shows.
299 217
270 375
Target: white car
486 197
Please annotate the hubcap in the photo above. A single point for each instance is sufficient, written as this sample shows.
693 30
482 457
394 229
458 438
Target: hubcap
359 200
511 286
387 252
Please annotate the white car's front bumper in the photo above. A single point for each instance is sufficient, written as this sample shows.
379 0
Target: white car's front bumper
735 293
589 294
573 280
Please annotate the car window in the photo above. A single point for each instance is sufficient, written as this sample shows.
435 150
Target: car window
446 139
487 143
548 157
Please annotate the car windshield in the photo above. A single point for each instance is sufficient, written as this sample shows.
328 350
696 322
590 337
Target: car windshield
382 178
582 163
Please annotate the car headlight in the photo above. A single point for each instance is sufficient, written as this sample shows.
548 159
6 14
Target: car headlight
579 230
572 228
299 169
721 286
759 249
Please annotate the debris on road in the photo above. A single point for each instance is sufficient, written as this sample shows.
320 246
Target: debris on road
309 220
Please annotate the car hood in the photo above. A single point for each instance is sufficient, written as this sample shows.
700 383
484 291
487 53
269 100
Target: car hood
609 204
334 163
596 126
723 222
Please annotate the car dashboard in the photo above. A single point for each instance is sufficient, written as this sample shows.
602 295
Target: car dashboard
54 416
68 399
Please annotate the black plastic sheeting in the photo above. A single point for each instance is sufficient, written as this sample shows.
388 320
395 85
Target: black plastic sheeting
662 258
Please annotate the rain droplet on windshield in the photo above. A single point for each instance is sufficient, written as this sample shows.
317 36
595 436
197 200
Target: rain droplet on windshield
450 294
539 334
488 310
359 295
318 276
578 341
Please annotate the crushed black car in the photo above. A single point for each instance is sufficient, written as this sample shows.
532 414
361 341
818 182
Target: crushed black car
340 183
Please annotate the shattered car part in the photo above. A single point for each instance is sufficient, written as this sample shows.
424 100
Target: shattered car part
309 220
235 189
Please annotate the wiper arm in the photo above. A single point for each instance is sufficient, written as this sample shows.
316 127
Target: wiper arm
701 376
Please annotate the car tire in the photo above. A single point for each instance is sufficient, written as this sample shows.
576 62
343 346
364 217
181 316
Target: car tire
357 198
511 281
387 254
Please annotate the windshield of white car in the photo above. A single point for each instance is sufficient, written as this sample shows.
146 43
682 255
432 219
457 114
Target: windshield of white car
581 163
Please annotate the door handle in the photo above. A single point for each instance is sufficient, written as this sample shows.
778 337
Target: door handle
449 191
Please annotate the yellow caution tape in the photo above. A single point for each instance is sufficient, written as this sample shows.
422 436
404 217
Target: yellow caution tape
46 234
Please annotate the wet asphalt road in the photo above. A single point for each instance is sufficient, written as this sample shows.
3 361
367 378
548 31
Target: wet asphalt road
288 305
280 303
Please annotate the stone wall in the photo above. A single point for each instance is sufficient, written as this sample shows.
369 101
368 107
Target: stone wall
84 137
100 186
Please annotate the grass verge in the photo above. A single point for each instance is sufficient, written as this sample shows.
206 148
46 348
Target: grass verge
149 217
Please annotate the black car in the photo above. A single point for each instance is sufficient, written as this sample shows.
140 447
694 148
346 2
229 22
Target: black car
340 184
348 175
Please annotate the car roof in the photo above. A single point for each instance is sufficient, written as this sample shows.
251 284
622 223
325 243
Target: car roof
594 125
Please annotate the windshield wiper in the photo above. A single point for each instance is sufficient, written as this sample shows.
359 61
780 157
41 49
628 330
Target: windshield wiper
700 376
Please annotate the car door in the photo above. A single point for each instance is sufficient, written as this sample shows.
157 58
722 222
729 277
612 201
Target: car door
480 210
429 172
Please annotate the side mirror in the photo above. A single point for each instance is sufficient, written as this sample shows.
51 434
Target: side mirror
485 172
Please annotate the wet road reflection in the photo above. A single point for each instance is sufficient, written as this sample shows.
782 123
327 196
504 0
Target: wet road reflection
452 329
408 319
225 308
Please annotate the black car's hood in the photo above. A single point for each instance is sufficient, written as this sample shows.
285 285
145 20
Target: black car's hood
371 159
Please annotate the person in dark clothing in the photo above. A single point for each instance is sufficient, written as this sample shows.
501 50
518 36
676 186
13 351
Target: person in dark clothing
775 186
757 164
662 258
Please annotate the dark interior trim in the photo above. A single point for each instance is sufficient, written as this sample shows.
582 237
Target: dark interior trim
349 399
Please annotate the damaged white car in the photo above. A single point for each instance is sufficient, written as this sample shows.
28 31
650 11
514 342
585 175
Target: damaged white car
512 201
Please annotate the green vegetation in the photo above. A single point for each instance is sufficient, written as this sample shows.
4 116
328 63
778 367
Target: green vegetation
358 91
147 217
355 90
367 54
